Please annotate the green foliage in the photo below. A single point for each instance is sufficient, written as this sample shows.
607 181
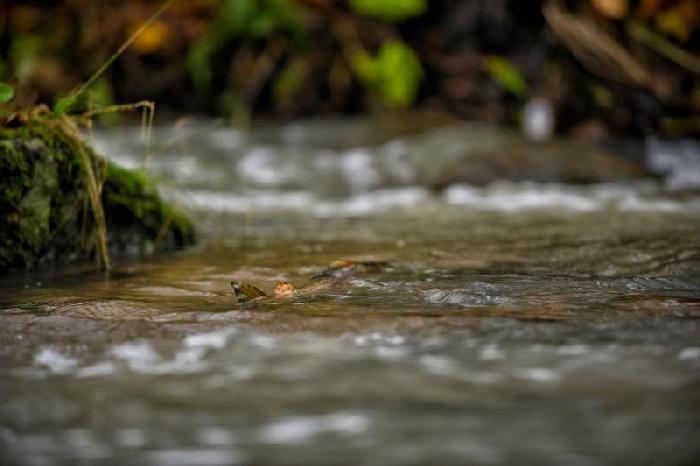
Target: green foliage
230 104
7 92
24 53
199 62
290 80
506 75
390 10
64 105
257 19
100 95
394 74
248 19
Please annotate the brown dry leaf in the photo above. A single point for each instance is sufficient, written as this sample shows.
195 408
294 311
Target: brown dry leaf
611 9
151 39
283 289
246 292
648 8
595 48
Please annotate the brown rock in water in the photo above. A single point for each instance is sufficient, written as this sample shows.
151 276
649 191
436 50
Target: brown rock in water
512 157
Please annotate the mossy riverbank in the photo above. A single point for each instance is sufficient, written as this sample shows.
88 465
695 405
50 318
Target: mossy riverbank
61 202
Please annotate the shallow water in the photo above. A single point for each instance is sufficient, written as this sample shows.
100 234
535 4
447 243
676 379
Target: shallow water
513 324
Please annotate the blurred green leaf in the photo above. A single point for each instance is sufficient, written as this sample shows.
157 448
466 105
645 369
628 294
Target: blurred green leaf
7 92
394 74
64 105
199 64
3 68
506 75
24 51
101 95
290 80
263 24
233 17
365 66
249 20
390 10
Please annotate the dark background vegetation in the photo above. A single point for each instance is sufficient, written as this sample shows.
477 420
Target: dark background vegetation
606 66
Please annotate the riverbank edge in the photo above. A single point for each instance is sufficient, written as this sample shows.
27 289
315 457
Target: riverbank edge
62 202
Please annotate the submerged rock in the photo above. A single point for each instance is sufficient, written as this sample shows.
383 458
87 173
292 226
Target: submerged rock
46 214
481 155
545 163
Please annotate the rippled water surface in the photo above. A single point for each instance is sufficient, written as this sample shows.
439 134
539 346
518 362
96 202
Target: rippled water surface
511 324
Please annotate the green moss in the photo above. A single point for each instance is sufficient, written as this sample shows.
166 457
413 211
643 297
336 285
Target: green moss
129 196
45 214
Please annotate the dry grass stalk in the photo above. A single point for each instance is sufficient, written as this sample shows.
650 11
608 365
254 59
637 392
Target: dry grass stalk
595 48
94 180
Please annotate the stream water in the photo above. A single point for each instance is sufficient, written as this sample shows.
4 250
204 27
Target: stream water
517 323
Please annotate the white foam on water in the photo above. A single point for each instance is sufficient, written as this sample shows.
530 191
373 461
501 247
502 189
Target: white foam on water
131 437
302 429
186 360
678 160
513 197
97 370
216 339
266 167
224 201
358 166
573 350
486 378
189 457
438 364
395 162
139 356
372 202
215 436
140 352
292 430
538 374
507 199
491 353
391 353
263 341
83 444
226 138
500 197
658 205
302 201
360 340
55 361
689 353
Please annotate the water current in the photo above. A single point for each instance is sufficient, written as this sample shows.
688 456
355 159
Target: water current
516 323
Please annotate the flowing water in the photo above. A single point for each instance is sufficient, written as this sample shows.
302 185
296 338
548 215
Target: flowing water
513 324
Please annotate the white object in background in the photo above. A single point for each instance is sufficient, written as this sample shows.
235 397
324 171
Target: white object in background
678 160
538 119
